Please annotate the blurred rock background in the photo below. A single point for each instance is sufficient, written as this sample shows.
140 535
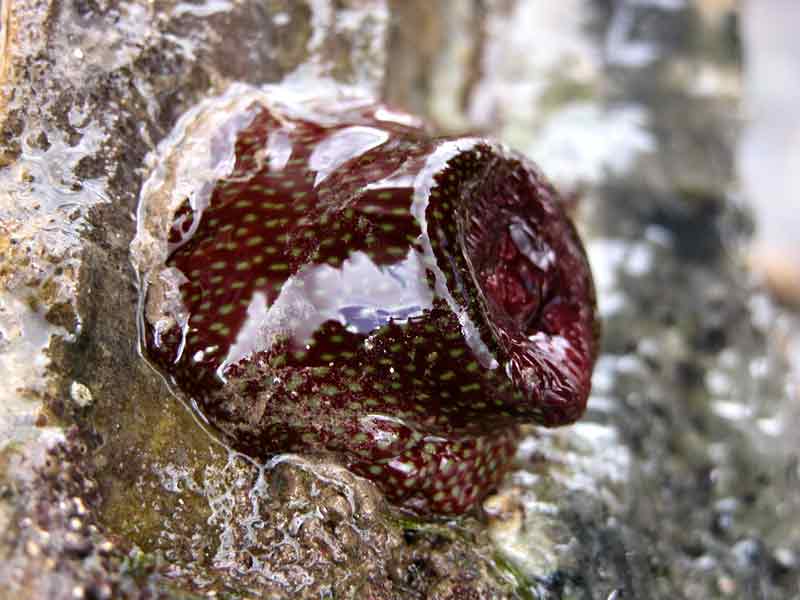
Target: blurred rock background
769 157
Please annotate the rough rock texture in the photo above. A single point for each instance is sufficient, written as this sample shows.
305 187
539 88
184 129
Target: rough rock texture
52 546
681 483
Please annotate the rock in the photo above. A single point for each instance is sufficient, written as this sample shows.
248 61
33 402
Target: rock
52 545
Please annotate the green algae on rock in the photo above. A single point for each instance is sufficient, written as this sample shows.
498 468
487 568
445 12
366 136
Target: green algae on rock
343 282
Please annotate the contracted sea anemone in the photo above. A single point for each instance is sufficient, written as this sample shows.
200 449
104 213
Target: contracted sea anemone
351 285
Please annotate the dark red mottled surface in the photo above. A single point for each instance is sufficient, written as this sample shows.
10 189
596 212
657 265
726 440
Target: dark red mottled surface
405 306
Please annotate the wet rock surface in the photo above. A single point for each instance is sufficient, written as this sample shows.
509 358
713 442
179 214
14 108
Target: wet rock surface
682 482
52 544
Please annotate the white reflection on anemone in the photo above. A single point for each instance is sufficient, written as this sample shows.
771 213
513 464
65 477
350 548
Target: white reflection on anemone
360 295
